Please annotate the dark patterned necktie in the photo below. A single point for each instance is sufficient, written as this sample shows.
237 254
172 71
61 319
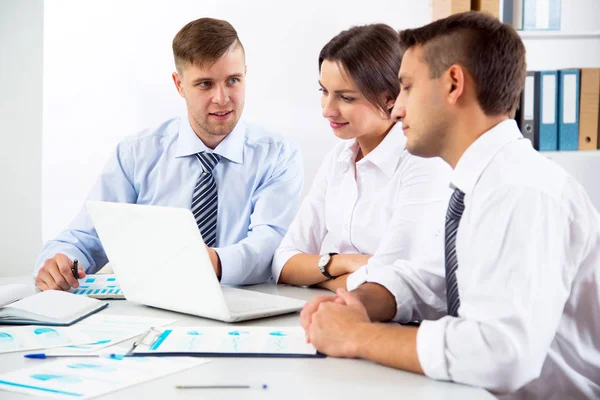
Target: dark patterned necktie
455 211
204 200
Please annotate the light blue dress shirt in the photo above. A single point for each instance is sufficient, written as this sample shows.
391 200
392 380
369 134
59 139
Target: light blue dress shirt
259 180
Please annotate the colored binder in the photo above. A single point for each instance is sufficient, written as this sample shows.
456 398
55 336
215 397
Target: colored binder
548 130
529 113
514 12
568 109
541 15
589 109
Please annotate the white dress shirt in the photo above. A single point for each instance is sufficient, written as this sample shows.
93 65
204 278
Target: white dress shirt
528 249
390 204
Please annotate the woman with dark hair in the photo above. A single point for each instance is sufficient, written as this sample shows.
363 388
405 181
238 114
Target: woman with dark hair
372 203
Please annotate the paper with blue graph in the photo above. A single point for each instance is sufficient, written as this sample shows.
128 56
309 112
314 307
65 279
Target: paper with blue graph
23 338
100 286
106 330
87 378
216 341
91 334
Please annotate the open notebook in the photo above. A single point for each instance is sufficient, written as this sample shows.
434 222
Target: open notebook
51 307
15 291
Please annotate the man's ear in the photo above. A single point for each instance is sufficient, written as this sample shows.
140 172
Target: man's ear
454 82
177 82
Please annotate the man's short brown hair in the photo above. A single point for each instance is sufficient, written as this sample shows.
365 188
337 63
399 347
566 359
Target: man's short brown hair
203 41
492 53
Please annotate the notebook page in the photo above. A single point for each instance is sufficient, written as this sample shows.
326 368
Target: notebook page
14 292
55 304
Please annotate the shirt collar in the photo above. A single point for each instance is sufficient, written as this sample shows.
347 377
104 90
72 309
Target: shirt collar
385 156
231 148
480 153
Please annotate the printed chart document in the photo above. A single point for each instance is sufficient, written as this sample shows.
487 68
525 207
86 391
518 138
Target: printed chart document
100 286
24 338
52 307
93 333
217 341
106 330
87 378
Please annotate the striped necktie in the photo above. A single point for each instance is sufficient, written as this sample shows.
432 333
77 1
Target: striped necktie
204 200
455 211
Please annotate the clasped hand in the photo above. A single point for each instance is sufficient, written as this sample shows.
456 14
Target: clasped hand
333 323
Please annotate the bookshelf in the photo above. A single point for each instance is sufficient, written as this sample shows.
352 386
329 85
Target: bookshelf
577 45
553 50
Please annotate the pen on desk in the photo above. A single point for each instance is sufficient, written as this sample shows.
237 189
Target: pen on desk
76 268
264 386
42 356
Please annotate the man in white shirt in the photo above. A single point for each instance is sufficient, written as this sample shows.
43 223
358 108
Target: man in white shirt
522 237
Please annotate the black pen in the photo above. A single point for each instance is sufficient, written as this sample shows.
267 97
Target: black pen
76 268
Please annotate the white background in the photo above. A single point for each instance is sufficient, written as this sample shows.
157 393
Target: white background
107 74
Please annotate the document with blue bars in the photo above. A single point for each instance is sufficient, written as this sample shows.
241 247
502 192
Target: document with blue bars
100 286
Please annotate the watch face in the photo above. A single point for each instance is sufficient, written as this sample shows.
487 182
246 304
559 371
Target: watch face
324 260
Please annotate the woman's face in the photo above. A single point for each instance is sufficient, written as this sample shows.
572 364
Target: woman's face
349 113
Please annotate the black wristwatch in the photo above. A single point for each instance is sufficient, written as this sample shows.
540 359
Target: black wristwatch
324 263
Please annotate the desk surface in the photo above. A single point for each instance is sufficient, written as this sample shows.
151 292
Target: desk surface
286 378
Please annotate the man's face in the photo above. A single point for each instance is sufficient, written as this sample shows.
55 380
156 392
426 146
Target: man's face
214 94
421 106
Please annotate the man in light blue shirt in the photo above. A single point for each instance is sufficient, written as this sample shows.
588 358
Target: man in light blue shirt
242 183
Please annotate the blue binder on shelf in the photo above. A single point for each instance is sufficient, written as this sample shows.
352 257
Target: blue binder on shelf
568 109
548 125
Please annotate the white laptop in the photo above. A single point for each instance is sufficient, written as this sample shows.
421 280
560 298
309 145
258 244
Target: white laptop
160 260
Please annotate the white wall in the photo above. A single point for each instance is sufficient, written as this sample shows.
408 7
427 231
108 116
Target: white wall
21 30
108 64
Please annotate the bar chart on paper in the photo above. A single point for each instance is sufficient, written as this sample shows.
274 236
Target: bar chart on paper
100 286
71 378
216 341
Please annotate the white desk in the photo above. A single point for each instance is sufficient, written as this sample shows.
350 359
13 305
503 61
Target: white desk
286 378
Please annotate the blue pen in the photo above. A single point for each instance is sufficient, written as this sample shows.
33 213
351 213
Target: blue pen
42 356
